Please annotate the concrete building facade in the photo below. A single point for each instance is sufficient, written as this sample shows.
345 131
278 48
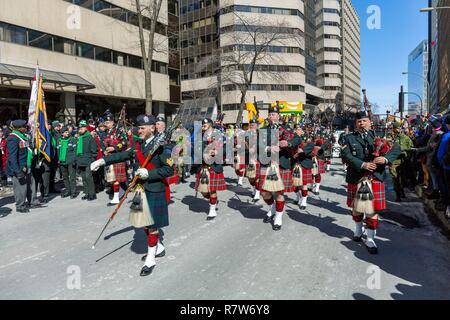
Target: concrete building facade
90 55
318 59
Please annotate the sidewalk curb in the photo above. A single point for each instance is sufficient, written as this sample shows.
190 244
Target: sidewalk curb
437 217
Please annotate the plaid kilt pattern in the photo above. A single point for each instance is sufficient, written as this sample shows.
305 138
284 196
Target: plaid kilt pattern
216 181
379 203
120 171
158 206
286 176
258 169
321 164
307 176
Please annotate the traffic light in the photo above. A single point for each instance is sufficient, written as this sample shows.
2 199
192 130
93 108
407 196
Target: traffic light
401 100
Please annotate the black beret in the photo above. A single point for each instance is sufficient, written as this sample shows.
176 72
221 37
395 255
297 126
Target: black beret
158 119
362 115
108 117
143 120
207 120
274 109
254 120
19 123
64 129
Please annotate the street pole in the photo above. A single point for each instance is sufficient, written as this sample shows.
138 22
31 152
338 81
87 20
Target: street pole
421 101
428 88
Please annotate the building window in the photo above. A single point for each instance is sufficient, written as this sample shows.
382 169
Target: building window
103 54
119 58
88 4
13 34
63 45
134 62
85 50
39 40
102 7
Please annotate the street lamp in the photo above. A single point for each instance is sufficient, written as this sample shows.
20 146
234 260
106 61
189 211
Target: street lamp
432 8
428 88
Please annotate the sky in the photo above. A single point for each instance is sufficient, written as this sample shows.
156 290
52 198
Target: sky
384 51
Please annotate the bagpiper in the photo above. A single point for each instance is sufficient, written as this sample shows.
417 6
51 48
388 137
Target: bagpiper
276 176
116 174
303 164
210 177
152 188
252 167
366 167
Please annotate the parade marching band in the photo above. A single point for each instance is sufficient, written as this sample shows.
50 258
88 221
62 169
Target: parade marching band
278 158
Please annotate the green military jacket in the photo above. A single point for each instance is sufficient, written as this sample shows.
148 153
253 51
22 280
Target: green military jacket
90 151
285 154
161 160
356 151
303 158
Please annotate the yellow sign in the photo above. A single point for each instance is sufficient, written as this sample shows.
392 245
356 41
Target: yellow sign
290 107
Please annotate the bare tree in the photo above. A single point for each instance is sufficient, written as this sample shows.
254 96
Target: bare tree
152 9
246 50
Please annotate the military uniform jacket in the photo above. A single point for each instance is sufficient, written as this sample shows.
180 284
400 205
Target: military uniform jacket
17 155
304 158
217 167
90 151
285 155
161 160
356 151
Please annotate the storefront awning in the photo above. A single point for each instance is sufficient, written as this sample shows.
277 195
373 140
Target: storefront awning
10 72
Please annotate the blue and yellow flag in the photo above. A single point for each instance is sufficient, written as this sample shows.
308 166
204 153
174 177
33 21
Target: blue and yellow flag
43 137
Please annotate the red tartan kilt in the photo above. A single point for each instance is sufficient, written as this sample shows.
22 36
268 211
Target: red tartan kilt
379 203
321 164
216 181
173 179
286 176
258 168
307 176
120 171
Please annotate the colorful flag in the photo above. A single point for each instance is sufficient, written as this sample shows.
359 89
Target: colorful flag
42 134
32 105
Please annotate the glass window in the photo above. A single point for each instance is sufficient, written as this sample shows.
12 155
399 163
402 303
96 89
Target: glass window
63 45
119 14
39 40
89 4
119 58
13 34
85 50
103 54
134 62
102 7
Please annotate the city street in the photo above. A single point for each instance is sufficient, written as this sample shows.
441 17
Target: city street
235 256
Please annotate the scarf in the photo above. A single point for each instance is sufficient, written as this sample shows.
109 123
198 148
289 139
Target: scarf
24 139
63 151
80 143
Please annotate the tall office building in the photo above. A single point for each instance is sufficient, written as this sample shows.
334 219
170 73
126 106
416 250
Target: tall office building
443 56
433 60
417 79
320 59
90 55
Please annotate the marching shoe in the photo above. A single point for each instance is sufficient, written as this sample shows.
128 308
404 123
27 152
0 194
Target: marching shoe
150 262
65 195
146 271
359 231
270 214
212 212
85 197
316 189
277 221
91 198
370 242
23 210
240 181
73 196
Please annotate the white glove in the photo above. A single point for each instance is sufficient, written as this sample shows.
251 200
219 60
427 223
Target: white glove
97 164
142 173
